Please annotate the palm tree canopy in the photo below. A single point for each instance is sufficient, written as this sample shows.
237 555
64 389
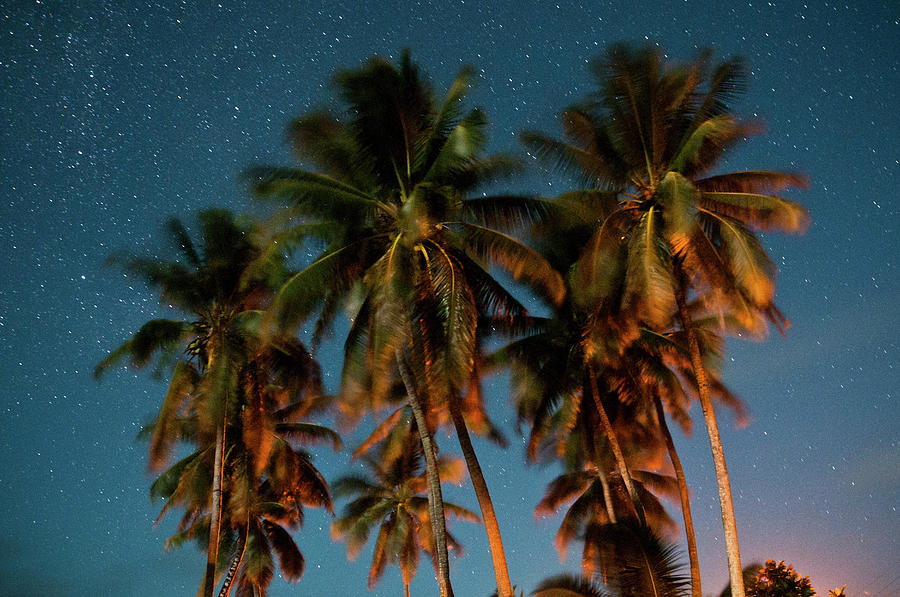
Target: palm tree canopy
391 206
652 134
213 287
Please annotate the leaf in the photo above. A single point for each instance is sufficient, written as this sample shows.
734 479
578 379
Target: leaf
166 484
753 271
165 430
309 433
753 181
714 131
649 287
380 554
677 197
381 431
762 212
506 213
521 261
157 335
465 141
599 273
568 585
290 559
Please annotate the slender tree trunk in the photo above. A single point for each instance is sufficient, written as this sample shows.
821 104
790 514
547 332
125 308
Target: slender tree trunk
235 564
604 482
732 548
405 589
215 515
491 526
685 498
435 497
616 448
607 495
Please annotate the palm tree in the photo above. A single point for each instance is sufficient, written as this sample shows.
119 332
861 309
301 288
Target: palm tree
272 476
556 365
213 286
650 137
391 498
404 242
642 367
656 370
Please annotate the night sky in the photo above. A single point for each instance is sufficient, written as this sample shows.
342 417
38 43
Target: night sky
116 115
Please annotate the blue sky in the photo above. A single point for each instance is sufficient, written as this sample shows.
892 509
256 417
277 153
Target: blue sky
117 115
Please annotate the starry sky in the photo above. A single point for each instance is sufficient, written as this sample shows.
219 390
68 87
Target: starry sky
116 115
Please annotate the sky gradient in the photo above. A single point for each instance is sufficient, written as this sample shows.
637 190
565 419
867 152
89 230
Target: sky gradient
115 116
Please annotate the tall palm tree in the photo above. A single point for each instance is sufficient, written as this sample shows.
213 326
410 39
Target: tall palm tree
390 497
642 366
650 137
403 240
212 285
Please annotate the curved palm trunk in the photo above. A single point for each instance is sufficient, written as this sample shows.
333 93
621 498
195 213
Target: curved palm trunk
732 548
435 497
616 448
607 495
685 498
233 567
604 483
215 515
491 526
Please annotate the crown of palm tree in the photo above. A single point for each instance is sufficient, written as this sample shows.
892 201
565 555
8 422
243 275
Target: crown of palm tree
648 140
393 212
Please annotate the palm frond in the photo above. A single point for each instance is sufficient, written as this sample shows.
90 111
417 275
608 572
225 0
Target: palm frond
649 286
506 213
166 429
753 270
155 336
309 433
290 559
466 140
323 140
761 212
753 181
521 261
642 564
179 234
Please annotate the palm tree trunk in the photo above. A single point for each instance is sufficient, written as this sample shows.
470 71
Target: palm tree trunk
435 497
215 515
607 495
616 448
604 481
732 548
491 526
685 498
235 564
